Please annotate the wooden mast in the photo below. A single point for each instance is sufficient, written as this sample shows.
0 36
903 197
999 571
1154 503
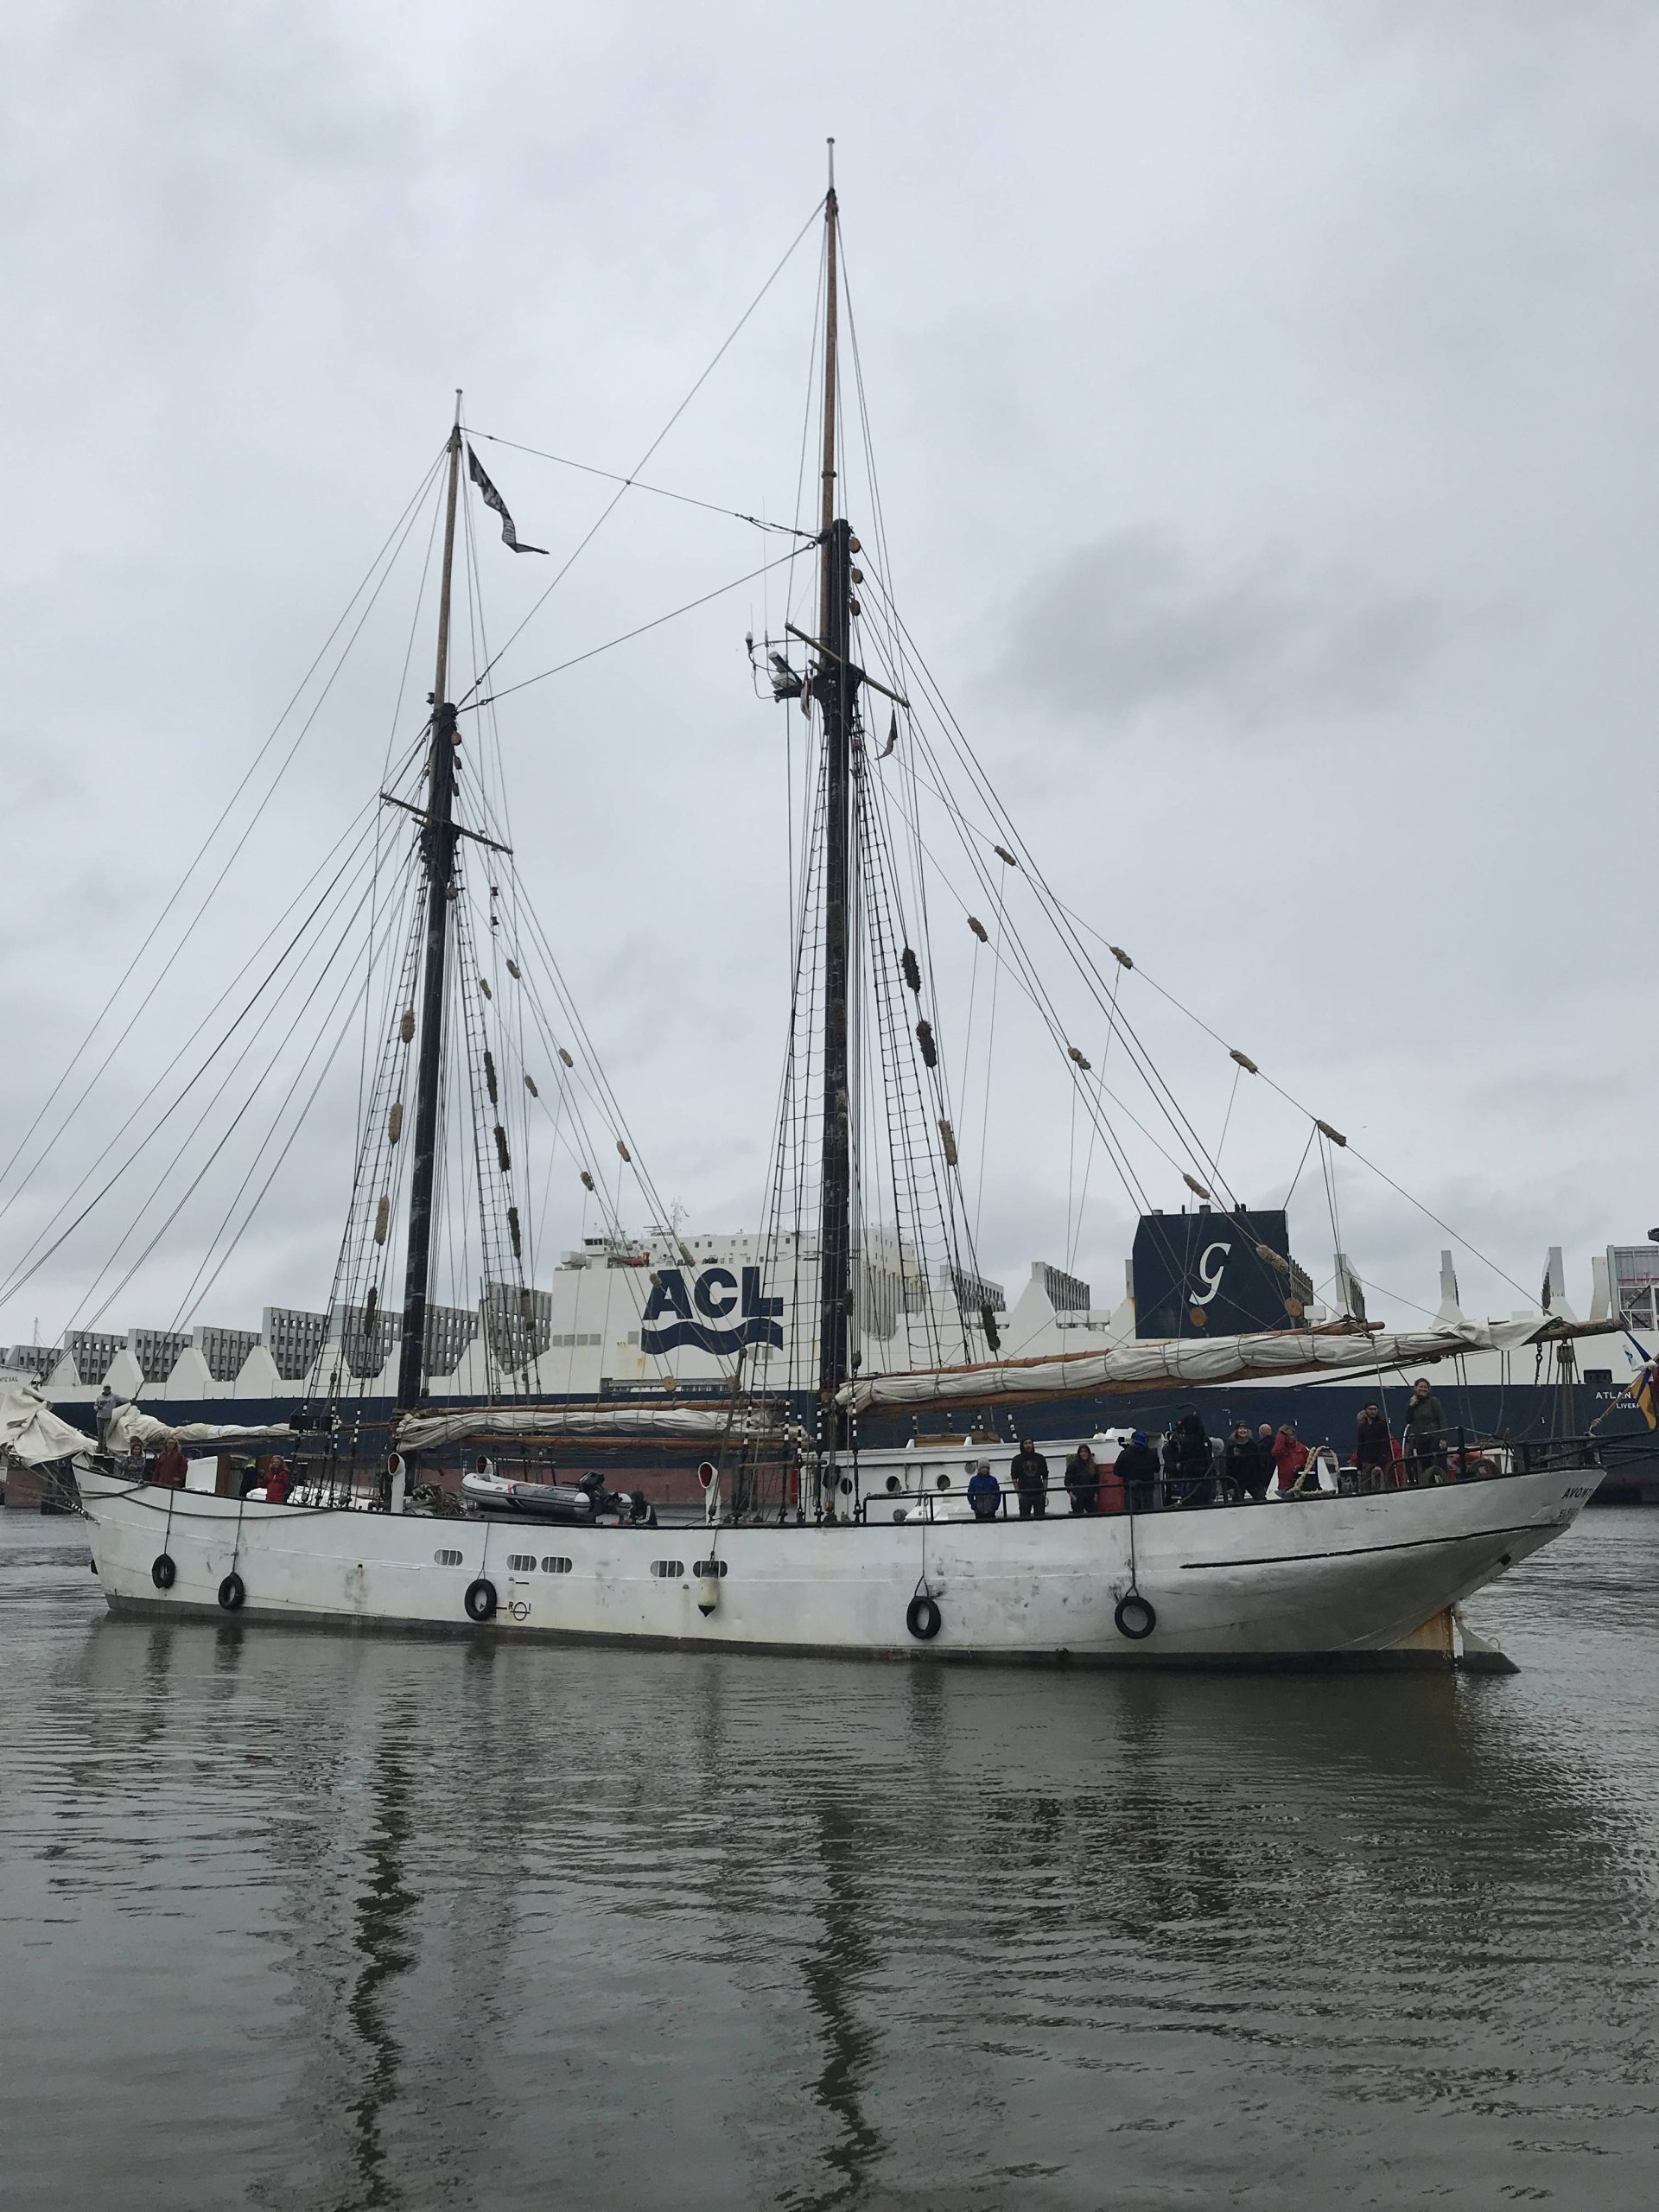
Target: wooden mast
836 685
438 856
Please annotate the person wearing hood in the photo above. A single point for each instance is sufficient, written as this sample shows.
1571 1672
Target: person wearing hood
1030 1471
984 1493
1137 1470
1189 1467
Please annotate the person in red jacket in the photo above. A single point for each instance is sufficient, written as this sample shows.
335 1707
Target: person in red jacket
1289 1457
171 1465
275 1482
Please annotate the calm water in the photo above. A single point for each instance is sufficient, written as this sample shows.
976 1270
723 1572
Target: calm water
287 1920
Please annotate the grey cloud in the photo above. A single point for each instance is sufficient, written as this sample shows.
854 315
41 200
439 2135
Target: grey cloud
1135 622
1342 308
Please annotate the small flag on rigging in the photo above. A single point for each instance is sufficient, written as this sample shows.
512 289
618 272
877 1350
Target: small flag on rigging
494 499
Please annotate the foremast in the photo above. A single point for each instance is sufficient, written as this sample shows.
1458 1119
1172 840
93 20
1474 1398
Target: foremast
835 684
438 861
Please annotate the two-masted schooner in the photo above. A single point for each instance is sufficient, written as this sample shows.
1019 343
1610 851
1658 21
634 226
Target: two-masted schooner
799 1549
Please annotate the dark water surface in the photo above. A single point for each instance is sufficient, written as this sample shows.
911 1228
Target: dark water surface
295 1921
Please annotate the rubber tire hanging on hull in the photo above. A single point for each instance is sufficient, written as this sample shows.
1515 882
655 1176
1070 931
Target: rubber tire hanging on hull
480 1600
923 1619
163 1572
1135 1617
232 1593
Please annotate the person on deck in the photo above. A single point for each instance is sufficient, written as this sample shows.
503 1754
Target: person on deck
103 1407
1189 1469
171 1465
1373 1448
1425 1433
1289 1460
984 1493
1248 1465
1030 1471
1083 1480
1137 1470
275 1482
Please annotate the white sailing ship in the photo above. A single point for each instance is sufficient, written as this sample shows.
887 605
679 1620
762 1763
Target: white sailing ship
815 1538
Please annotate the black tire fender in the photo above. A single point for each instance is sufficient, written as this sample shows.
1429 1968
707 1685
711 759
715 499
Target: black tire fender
232 1593
163 1572
480 1600
1134 1617
923 1619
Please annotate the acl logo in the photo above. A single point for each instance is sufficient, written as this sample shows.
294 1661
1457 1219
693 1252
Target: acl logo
715 1294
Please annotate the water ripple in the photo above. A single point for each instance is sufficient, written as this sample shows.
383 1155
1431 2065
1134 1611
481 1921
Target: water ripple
301 1921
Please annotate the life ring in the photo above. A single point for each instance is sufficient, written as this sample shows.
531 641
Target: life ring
163 1572
480 1600
1134 1617
232 1593
923 1619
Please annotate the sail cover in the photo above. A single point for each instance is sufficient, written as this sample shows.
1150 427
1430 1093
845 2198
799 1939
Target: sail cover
1140 1366
128 1427
31 1433
690 1424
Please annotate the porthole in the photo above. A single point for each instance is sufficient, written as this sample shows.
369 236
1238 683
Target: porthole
944 1483
447 1559
668 1569
521 1562
554 1565
892 1485
710 1567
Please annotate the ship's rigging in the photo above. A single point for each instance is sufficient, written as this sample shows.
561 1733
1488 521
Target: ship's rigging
419 933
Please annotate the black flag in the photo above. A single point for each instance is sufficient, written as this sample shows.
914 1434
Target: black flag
494 499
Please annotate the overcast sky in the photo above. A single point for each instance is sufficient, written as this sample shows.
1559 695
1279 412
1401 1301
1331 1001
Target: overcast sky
1263 400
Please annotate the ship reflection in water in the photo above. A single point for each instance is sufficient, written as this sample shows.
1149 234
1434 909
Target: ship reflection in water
301 1921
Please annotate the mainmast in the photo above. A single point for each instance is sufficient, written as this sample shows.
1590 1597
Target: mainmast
438 857
835 684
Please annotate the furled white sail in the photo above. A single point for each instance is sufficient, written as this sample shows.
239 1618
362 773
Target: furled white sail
1194 1360
128 1427
423 1431
31 1431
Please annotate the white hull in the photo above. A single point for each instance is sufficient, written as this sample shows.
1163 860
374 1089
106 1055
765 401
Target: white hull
1331 1577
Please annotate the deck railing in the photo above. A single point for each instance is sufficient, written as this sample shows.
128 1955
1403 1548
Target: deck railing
1469 1458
